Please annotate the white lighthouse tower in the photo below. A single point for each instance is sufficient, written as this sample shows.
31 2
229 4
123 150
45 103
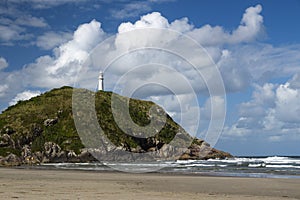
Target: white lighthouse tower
100 81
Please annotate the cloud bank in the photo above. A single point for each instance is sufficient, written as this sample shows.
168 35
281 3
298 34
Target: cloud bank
243 60
273 112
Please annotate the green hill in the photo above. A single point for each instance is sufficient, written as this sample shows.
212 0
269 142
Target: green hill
42 129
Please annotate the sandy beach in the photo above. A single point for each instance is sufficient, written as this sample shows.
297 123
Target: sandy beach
67 184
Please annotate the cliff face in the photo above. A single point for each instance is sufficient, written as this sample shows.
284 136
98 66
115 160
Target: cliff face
42 130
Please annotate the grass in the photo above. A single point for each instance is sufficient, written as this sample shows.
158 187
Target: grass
27 117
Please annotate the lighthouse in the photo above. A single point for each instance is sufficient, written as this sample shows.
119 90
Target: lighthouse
100 81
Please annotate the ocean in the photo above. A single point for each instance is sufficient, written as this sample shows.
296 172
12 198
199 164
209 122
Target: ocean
261 167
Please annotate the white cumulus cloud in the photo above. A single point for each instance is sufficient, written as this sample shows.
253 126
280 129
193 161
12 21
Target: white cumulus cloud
236 76
10 33
55 70
3 63
26 95
61 68
250 28
251 25
287 104
272 111
239 56
51 39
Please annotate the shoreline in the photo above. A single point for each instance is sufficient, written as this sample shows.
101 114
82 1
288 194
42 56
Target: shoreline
209 173
70 184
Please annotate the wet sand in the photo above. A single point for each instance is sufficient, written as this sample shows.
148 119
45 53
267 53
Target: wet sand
67 184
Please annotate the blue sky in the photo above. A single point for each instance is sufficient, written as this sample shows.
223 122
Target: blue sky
260 66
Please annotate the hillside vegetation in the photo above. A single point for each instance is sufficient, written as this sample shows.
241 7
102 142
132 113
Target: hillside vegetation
42 129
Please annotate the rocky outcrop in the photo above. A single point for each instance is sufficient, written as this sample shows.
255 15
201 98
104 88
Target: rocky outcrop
8 130
10 160
148 149
6 141
198 150
202 150
50 122
54 154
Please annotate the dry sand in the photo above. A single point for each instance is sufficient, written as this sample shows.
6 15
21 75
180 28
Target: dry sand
67 184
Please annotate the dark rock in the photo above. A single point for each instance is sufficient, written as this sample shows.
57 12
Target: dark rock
214 153
123 147
31 160
60 157
152 149
39 156
10 160
26 151
53 153
166 151
51 149
45 160
50 122
36 130
86 156
28 157
72 156
138 149
6 141
13 159
185 156
3 142
202 150
147 143
8 130
23 140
